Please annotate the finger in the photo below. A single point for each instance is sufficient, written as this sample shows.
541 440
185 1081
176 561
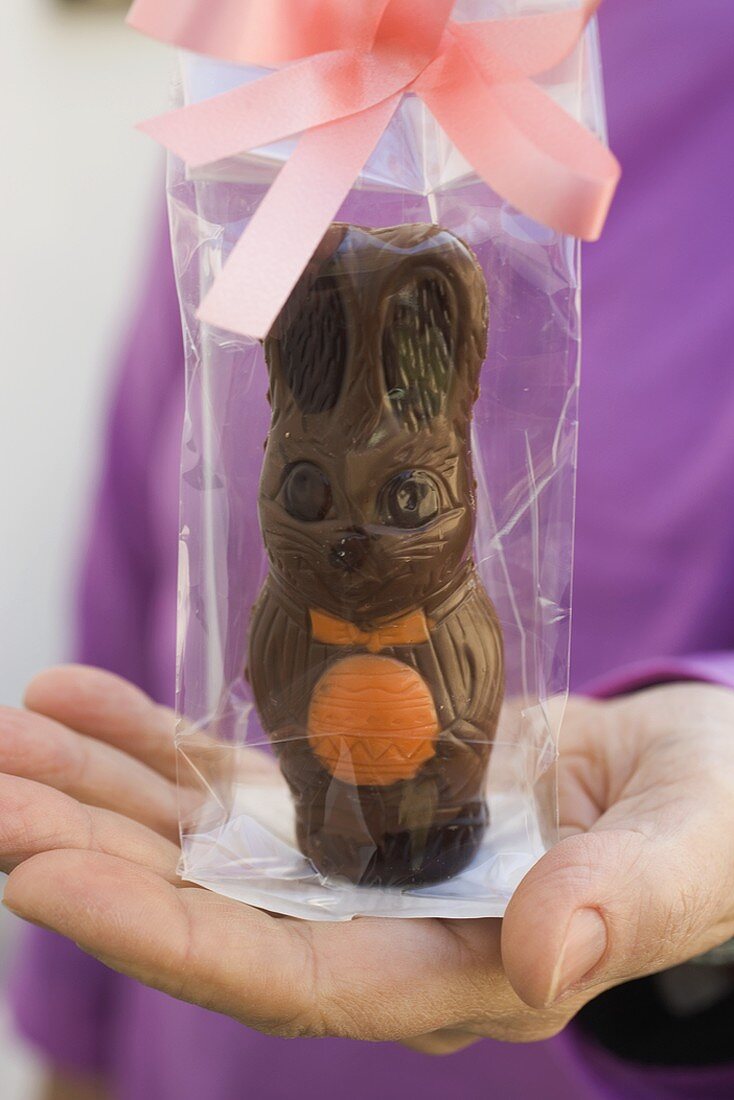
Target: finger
380 980
70 1084
38 748
111 710
650 886
583 782
192 944
447 1041
35 819
108 708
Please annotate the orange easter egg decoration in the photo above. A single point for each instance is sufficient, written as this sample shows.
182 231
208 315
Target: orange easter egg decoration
372 721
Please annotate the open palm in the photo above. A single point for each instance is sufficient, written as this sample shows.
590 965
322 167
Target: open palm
643 879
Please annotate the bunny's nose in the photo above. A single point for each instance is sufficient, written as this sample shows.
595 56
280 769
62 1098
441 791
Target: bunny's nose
349 552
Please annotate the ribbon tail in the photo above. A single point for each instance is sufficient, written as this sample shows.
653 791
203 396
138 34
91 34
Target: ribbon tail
290 101
529 150
291 221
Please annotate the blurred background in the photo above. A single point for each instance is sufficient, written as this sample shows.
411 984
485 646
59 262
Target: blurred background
79 192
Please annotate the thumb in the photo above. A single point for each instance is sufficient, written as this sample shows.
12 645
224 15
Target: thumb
613 904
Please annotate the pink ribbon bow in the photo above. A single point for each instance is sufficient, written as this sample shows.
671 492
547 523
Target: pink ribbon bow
348 64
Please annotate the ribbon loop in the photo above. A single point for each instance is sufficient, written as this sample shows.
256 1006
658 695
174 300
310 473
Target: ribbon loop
355 62
529 45
260 32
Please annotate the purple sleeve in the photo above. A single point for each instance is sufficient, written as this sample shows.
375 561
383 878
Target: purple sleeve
63 1001
120 573
706 668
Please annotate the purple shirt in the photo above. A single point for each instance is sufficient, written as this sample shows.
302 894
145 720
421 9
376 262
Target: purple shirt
655 551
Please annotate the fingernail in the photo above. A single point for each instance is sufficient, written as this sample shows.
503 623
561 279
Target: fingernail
583 949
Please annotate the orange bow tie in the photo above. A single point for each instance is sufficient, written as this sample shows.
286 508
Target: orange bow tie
411 629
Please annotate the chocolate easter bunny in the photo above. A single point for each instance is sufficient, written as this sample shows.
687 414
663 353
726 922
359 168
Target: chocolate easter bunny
376 656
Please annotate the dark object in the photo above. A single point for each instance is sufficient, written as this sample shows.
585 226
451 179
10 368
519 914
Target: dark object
376 654
635 1022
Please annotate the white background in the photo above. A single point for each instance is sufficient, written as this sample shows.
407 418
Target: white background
79 192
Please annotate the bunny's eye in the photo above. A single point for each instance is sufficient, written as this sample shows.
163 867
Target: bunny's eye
410 499
307 493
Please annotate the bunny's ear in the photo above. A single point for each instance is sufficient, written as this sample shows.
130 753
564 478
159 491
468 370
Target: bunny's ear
418 348
434 337
308 348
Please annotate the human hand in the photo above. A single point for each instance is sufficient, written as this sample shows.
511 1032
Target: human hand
88 817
